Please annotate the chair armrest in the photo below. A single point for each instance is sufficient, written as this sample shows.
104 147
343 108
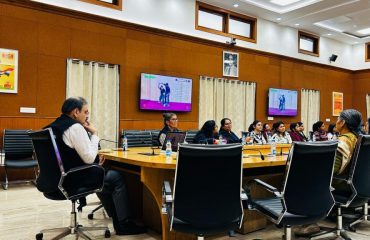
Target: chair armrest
81 170
342 178
266 186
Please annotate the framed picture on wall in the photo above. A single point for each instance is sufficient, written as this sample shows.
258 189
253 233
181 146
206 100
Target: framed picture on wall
8 71
230 64
337 103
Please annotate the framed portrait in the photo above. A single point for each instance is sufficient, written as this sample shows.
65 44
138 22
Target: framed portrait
8 71
230 64
337 103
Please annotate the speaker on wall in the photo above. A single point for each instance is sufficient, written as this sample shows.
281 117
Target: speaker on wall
333 57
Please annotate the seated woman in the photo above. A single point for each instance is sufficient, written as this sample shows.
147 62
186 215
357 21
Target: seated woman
295 133
301 131
226 132
349 127
208 134
319 133
170 125
266 131
332 132
280 135
255 131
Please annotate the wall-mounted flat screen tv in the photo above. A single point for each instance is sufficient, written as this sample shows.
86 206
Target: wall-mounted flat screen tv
282 102
165 93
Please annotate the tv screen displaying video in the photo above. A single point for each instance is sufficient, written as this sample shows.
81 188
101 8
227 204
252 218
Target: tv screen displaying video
282 102
165 93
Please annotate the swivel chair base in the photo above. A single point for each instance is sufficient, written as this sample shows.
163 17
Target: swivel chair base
338 231
75 229
365 218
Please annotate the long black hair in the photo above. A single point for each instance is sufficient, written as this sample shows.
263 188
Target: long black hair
331 128
317 125
293 126
253 125
276 126
353 120
208 128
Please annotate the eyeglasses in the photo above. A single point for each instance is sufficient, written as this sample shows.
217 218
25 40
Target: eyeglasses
174 119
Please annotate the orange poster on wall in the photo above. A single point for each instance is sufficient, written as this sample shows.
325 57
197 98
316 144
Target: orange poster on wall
8 71
337 103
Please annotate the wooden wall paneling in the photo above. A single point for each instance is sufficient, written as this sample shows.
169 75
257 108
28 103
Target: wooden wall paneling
361 87
51 89
54 40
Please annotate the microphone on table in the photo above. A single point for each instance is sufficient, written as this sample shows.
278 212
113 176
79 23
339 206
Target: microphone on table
107 140
261 155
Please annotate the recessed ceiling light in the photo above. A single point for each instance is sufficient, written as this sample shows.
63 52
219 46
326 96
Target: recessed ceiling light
297 24
355 42
236 5
283 2
329 34
364 31
278 19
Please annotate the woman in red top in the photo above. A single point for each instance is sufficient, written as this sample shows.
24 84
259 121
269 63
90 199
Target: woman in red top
295 133
319 133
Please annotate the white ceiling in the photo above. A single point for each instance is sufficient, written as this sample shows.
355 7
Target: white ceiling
337 19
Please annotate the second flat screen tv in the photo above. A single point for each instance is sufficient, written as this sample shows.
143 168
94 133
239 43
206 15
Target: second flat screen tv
165 93
282 102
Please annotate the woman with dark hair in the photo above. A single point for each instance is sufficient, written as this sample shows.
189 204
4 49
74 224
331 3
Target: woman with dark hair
301 131
295 133
332 132
226 133
280 135
170 125
208 134
319 133
266 131
255 130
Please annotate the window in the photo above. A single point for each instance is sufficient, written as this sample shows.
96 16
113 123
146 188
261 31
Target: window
367 52
226 23
308 43
116 4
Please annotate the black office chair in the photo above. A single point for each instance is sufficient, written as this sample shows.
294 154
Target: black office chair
357 181
206 196
52 178
138 138
155 135
17 146
306 196
190 134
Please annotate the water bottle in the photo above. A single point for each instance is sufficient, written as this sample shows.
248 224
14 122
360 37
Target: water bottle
243 140
220 140
124 143
273 148
168 149
269 138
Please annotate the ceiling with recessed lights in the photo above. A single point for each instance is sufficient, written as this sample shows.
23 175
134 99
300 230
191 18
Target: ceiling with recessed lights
344 20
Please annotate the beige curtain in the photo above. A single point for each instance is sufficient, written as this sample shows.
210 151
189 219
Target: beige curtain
310 108
219 98
98 83
368 105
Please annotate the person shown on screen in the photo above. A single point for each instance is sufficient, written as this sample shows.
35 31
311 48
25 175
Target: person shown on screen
208 134
280 135
162 93
282 102
319 133
170 125
230 67
255 132
226 133
167 94
77 149
295 133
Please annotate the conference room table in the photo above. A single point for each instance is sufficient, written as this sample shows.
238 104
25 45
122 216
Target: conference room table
153 170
